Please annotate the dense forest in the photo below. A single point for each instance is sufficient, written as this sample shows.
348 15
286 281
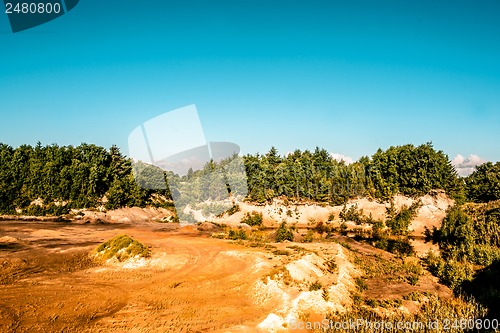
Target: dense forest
65 177
88 176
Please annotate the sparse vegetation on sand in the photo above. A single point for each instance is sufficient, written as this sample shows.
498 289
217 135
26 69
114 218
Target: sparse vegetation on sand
121 247
457 313
252 219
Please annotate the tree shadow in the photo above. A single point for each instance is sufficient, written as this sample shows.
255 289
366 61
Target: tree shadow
485 288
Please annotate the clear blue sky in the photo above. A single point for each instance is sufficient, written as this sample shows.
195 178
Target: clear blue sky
348 76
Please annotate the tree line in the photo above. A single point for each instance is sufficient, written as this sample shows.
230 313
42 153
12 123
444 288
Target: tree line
87 176
67 176
410 170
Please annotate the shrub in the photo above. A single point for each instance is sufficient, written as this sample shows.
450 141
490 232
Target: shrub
56 210
470 233
413 296
400 246
352 214
413 279
237 234
35 210
399 223
451 273
322 228
284 233
325 294
343 228
331 265
361 283
309 237
316 285
234 209
377 229
252 219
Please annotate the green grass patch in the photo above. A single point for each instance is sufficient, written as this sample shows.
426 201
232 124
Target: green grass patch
121 247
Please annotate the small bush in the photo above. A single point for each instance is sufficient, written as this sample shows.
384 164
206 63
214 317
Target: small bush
412 279
413 296
352 214
331 265
35 210
284 233
372 303
377 229
316 285
343 229
451 273
56 210
309 237
237 234
361 283
234 209
322 228
399 223
399 246
252 219
325 294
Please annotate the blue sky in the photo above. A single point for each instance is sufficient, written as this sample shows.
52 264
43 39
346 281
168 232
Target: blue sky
348 76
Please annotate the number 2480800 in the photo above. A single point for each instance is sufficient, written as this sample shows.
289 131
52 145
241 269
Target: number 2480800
32 8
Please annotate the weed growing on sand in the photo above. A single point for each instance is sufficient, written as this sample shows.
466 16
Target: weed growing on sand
414 296
376 267
361 284
234 209
352 214
432 309
325 294
413 269
280 273
331 265
121 247
316 285
174 285
309 237
281 252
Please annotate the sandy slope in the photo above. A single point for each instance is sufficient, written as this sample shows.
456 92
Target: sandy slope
430 214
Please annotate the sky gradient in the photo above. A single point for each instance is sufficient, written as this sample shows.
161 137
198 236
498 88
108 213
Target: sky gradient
349 77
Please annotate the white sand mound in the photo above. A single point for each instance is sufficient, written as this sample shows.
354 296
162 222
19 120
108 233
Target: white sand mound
295 299
8 240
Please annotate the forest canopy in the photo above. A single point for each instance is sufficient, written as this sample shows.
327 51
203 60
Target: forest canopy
86 176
